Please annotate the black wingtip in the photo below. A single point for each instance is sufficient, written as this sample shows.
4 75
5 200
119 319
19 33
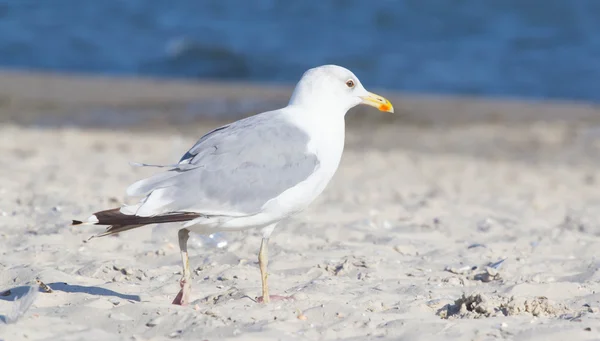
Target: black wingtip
77 222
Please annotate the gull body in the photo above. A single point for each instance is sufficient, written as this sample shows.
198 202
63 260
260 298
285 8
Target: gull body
251 173
317 145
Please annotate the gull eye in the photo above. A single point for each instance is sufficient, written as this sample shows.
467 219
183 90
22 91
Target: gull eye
350 83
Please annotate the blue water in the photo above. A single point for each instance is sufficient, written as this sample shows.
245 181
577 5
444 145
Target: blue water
525 48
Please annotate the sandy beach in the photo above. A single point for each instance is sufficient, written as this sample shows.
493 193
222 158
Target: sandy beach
456 219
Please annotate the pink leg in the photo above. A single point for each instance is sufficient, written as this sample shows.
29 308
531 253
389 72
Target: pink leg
183 297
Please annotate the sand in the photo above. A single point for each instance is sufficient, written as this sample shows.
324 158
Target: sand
479 224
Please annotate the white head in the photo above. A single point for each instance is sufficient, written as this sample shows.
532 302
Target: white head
334 88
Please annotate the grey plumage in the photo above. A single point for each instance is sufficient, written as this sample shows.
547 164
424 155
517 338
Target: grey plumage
233 170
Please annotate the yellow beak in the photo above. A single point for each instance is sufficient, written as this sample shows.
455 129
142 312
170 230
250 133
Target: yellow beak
378 102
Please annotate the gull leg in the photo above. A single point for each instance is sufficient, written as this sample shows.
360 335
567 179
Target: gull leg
263 261
183 297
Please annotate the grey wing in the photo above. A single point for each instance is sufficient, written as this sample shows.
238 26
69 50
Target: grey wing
233 170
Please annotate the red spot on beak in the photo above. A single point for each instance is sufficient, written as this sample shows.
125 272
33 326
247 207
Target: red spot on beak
384 107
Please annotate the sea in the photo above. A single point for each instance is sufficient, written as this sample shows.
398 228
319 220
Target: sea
537 49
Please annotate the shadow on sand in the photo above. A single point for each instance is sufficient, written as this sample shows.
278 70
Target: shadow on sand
18 292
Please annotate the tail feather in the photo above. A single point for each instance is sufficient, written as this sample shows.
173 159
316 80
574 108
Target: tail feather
119 222
114 229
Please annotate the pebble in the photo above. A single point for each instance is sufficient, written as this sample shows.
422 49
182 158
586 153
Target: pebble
407 250
175 334
489 275
454 281
433 303
155 321
497 265
459 271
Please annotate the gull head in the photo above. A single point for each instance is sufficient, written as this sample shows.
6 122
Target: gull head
335 88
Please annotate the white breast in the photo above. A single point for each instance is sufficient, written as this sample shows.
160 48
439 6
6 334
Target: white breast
327 134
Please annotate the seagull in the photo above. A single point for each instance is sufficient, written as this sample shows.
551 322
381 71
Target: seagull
252 173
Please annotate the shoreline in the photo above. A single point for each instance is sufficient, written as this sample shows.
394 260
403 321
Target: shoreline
96 101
